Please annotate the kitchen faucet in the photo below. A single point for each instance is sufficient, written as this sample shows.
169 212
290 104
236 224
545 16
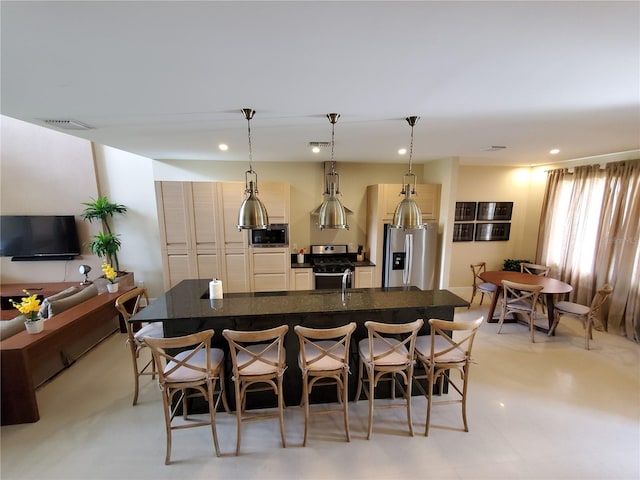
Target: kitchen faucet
345 277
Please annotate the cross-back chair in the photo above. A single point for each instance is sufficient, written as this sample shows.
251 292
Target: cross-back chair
258 359
192 372
541 271
128 304
480 285
324 360
586 314
388 351
447 348
519 298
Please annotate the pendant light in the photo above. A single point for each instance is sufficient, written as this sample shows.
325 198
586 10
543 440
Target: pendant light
408 214
252 213
332 213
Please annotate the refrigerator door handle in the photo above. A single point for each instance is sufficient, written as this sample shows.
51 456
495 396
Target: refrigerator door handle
408 249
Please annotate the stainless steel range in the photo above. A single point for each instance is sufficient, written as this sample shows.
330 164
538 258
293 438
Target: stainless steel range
331 266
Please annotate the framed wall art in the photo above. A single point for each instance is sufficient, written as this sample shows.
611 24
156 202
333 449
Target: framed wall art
492 211
465 211
463 232
492 232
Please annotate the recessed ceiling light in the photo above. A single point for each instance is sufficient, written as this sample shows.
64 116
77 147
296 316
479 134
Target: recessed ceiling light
315 149
402 151
554 151
224 147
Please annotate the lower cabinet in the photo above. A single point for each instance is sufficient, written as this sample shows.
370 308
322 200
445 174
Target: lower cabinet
364 277
270 269
301 279
237 268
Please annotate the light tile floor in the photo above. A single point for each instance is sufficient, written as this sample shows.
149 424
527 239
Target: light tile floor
549 410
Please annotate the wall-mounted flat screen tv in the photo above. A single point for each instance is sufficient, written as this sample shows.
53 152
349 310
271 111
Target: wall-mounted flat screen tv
39 237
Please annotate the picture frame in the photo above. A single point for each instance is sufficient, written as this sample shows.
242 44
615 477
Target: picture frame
488 211
465 211
492 232
463 232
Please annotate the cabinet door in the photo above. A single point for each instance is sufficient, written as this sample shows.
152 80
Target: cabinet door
205 212
364 277
270 269
236 271
173 216
232 195
177 268
428 200
301 279
427 197
276 199
208 266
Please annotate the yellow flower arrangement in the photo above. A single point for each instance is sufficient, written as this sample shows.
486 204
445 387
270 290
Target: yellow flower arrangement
28 306
109 272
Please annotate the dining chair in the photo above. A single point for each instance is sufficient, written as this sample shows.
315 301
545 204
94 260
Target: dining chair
128 304
479 284
586 314
386 354
540 270
193 372
324 360
447 348
258 360
519 298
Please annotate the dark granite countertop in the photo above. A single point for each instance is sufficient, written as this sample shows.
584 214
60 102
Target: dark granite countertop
190 299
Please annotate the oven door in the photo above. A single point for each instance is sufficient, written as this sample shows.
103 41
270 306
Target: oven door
333 281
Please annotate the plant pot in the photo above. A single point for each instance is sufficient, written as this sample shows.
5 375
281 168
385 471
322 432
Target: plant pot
112 287
34 327
301 258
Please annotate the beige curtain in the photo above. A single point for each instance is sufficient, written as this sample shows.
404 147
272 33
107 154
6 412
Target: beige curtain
618 251
589 231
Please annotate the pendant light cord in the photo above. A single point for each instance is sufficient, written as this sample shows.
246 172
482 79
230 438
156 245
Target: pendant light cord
248 114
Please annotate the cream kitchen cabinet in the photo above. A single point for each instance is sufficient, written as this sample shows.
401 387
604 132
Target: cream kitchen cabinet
189 243
427 197
236 278
364 277
270 269
301 279
200 239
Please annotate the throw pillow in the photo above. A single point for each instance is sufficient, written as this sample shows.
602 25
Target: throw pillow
58 306
8 328
44 308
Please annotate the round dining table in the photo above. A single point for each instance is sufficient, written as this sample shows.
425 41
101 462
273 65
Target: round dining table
550 287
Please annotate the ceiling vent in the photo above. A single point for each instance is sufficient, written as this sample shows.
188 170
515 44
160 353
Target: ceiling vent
494 148
68 124
320 144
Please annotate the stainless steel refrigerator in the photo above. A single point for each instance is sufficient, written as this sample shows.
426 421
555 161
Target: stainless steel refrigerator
410 257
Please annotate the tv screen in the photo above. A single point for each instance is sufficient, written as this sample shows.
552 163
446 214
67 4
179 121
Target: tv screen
39 237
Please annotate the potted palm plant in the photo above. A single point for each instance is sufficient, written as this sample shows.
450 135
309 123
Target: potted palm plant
105 244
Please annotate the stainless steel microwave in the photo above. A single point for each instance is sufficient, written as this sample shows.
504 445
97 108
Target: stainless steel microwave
275 235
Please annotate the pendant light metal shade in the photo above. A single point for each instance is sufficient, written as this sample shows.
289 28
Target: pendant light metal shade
252 213
408 214
332 213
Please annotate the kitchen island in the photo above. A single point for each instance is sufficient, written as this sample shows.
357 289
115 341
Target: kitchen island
186 308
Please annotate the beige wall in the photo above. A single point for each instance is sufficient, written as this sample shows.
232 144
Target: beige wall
522 186
44 172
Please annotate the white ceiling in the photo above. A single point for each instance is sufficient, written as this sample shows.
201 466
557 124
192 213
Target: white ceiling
167 80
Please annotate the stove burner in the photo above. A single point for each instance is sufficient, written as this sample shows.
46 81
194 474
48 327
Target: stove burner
330 259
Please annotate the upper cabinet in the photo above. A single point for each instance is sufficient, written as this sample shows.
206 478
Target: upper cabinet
427 197
231 197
